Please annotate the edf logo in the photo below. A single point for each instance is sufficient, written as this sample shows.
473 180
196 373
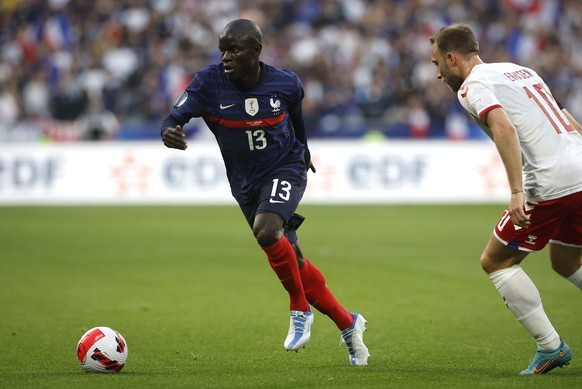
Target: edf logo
202 173
25 173
387 171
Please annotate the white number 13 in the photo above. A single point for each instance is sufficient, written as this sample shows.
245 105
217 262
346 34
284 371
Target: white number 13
283 190
257 140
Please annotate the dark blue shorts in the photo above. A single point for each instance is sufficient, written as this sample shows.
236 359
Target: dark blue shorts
280 194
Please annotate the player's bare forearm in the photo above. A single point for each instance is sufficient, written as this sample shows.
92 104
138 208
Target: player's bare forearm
507 143
175 138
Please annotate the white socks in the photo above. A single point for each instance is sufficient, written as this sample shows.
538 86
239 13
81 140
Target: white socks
576 278
523 300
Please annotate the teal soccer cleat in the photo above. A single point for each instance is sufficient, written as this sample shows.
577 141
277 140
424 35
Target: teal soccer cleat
545 361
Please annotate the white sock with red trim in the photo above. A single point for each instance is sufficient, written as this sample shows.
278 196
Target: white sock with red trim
576 278
523 300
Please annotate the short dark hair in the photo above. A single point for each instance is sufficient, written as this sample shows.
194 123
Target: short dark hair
245 29
456 37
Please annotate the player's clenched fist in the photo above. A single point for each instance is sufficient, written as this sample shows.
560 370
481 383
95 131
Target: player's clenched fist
175 138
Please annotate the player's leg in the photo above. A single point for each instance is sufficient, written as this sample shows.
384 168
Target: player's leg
268 213
566 244
276 202
352 325
507 247
268 229
519 292
319 295
522 298
567 261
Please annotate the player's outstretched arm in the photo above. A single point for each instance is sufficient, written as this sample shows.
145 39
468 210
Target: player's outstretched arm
174 138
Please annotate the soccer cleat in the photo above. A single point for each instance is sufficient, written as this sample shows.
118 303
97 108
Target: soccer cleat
299 330
545 361
353 337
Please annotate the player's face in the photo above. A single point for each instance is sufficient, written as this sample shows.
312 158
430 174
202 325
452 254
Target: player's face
444 72
239 58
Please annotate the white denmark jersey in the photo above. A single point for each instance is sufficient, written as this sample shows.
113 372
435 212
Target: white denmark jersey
551 147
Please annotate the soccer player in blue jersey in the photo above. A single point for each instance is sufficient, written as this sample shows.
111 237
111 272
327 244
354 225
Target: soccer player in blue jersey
254 111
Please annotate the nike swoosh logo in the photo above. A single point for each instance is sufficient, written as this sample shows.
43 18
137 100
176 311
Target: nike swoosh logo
275 201
226 106
540 370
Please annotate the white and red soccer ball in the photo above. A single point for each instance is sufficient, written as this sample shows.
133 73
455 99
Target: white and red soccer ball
102 350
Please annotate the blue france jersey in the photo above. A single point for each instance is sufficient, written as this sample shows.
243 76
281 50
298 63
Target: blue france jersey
252 127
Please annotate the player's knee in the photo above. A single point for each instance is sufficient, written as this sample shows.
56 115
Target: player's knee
487 263
267 236
492 262
564 268
565 261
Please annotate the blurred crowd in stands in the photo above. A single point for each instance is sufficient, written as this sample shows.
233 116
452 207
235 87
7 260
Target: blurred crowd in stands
112 69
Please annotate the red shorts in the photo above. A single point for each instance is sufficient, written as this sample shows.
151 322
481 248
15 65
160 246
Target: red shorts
558 221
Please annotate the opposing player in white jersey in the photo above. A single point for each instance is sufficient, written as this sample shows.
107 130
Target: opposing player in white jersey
542 153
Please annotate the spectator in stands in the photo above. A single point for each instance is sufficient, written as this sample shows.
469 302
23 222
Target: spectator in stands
97 123
361 60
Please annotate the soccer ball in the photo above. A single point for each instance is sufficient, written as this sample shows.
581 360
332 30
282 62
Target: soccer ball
102 350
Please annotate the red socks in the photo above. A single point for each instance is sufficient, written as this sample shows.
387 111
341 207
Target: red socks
282 259
321 298
305 286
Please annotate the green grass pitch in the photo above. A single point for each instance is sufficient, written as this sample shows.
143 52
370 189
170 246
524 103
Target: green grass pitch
200 307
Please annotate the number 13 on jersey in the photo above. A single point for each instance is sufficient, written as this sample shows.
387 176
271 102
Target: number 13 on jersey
257 140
